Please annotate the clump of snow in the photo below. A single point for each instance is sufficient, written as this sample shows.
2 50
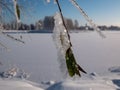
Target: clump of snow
14 72
10 73
48 83
61 40
114 69
93 74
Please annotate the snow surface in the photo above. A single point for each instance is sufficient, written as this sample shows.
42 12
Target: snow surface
17 85
84 85
38 57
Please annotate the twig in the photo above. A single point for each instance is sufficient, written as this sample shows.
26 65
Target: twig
87 18
7 7
60 10
72 66
13 38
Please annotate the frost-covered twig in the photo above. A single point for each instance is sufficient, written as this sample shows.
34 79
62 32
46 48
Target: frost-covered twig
61 15
9 36
13 38
87 18
17 12
63 44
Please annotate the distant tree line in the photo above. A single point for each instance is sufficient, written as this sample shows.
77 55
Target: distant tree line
48 24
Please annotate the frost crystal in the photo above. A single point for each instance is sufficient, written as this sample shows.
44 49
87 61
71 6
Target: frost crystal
61 40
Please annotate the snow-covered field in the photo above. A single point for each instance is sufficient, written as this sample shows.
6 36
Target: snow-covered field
38 57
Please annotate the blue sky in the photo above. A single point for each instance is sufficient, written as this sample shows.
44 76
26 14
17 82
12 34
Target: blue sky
102 12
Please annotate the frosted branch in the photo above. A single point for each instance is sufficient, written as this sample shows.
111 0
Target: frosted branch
87 18
13 38
17 12
61 41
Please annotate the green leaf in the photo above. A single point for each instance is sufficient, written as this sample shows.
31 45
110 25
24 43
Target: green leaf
72 66
71 63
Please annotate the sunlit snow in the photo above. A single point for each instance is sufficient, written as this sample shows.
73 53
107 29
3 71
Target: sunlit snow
38 57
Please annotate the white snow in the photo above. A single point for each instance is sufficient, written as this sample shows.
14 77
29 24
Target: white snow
17 85
84 85
39 54
38 57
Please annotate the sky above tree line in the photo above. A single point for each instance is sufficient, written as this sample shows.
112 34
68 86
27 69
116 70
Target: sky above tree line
102 12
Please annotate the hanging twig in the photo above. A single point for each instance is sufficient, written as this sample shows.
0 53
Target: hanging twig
13 38
87 18
17 12
60 10
72 66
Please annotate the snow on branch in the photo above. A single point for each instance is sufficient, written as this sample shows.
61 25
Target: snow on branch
65 54
17 11
62 40
90 21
